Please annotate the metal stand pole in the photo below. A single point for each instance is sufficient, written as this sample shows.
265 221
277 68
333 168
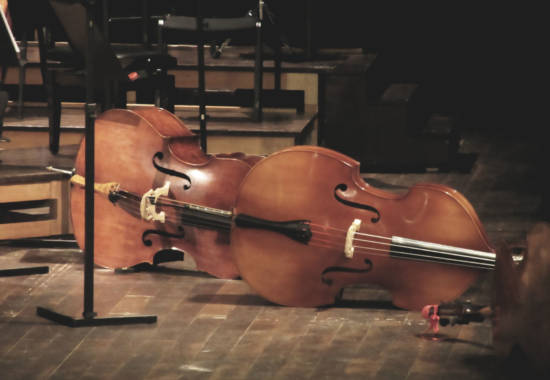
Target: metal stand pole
258 66
3 106
23 271
89 314
202 85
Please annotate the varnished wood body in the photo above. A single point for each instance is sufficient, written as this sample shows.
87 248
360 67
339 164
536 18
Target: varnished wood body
299 183
126 142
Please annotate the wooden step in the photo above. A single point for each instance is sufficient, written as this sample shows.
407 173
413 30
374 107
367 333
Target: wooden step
233 70
229 129
34 201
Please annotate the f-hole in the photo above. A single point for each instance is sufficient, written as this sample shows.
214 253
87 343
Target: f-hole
146 241
160 156
328 281
343 187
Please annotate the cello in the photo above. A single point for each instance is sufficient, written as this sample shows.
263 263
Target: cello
305 225
519 309
136 150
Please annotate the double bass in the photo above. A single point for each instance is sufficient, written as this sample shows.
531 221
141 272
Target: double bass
305 225
144 148
299 225
427 244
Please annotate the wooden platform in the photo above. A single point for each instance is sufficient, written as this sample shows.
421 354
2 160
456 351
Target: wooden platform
220 329
34 201
229 129
238 60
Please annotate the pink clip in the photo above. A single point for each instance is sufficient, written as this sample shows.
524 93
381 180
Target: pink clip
433 317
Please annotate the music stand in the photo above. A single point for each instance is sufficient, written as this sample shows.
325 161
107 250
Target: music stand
89 316
10 56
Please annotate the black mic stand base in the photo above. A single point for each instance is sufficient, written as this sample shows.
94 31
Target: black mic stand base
23 271
87 321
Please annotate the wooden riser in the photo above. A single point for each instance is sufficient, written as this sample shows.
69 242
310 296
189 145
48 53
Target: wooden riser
30 139
213 79
34 202
56 223
229 73
259 145
229 130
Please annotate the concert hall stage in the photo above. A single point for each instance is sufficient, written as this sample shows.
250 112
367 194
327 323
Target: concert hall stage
211 328
413 115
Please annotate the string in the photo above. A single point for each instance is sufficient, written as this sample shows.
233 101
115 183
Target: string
418 257
425 250
391 243
320 243
426 254
356 233
482 262
132 203
164 201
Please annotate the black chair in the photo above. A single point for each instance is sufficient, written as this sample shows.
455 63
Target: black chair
21 63
208 28
14 55
43 24
118 68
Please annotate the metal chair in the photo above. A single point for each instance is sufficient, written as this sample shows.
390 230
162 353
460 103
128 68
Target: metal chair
205 27
119 68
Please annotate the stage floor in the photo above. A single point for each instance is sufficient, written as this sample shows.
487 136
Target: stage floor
210 328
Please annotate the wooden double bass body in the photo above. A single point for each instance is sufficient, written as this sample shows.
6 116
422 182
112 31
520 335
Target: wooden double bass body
144 149
322 192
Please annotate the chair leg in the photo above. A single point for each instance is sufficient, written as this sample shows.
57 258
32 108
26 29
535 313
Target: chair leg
258 71
3 105
20 105
121 99
54 126
54 114
167 93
